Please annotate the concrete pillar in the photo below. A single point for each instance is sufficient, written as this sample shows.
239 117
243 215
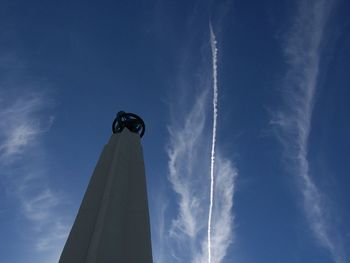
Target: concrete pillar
112 224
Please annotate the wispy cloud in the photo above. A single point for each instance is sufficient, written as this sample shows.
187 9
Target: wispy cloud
24 122
191 173
18 127
183 155
303 51
223 216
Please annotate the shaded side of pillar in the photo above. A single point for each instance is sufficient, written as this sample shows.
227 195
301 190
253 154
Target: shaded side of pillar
112 224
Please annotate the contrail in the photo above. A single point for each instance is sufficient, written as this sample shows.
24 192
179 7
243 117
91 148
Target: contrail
214 51
194 235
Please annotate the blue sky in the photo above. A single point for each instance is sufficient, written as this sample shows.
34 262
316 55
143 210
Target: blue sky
281 161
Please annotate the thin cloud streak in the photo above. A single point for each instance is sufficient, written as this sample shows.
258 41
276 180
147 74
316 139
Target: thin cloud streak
182 174
22 127
18 129
188 151
214 51
303 57
223 217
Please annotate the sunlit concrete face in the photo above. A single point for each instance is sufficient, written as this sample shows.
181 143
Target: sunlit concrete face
112 224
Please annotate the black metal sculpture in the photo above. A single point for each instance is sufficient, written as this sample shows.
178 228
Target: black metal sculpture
129 120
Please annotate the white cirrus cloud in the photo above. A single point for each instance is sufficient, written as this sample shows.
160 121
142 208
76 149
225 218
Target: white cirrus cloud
303 54
24 124
18 127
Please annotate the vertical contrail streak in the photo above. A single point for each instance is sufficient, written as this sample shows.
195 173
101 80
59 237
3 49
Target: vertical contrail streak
215 115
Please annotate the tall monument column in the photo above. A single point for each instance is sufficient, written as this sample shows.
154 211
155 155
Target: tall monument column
112 224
